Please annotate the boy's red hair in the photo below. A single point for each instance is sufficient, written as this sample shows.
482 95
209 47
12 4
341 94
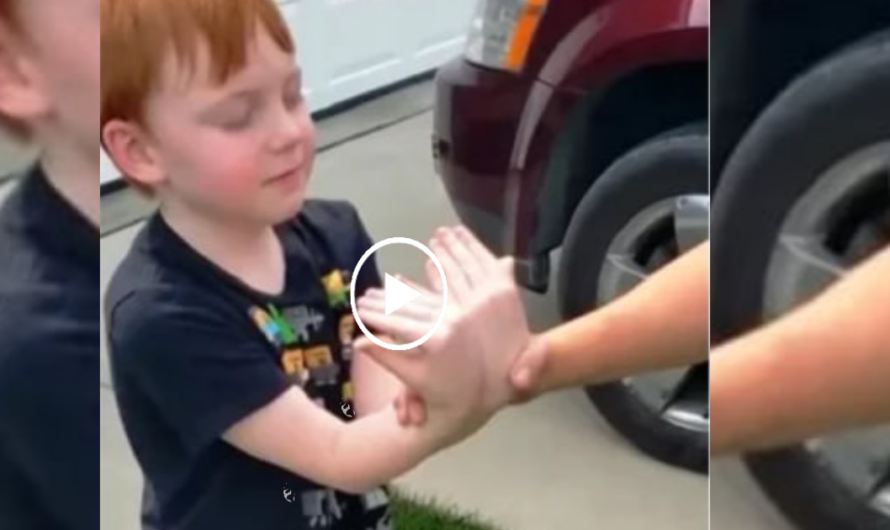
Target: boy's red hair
138 35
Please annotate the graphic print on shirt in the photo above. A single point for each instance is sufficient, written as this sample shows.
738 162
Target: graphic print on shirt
304 320
289 330
294 364
270 328
289 495
346 332
336 285
377 499
323 371
314 342
281 335
321 508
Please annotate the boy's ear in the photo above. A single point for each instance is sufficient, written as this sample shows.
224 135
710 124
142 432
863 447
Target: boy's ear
130 150
22 96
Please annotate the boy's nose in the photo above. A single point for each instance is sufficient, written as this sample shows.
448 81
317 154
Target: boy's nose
290 133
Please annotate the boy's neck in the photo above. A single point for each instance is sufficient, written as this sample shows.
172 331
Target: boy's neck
251 253
76 179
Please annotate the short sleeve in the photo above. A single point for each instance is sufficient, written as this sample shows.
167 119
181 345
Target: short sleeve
199 364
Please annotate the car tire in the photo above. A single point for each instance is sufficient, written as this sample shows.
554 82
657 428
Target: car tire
834 110
669 166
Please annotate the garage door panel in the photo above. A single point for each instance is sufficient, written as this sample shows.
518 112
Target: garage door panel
297 15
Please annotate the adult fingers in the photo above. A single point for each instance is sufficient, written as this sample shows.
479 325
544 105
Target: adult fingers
483 256
473 270
459 287
525 375
416 410
401 407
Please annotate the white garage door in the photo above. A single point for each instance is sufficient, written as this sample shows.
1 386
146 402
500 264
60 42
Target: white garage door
349 47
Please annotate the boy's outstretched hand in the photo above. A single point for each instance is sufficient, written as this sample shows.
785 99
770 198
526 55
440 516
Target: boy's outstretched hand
483 337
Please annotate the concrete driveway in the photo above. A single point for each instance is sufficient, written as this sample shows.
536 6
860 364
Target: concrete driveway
737 503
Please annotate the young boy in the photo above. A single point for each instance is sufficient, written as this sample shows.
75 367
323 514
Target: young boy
229 322
49 256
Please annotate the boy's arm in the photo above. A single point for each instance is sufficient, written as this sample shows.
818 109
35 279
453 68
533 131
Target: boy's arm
294 433
662 323
822 368
212 379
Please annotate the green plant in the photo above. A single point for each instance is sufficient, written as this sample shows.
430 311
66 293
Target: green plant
415 513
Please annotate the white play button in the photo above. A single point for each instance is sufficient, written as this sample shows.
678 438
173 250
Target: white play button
398 294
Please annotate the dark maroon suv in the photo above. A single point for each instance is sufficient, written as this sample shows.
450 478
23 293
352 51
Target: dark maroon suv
548 96
583 125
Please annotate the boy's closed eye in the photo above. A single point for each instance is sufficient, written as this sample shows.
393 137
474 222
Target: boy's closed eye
293 95
238 111
234 113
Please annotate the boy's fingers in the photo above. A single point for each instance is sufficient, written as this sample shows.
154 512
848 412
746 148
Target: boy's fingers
414 285
376 297
393 325
420 311
362 343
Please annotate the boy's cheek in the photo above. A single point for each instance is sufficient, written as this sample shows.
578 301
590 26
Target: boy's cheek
239 180
226 164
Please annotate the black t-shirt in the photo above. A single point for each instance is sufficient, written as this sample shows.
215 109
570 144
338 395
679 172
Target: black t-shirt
49 361
194 350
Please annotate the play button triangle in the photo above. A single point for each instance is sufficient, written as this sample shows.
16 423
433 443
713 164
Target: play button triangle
398 294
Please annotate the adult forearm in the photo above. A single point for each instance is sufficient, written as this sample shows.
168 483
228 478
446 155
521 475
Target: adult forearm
662 323
822 368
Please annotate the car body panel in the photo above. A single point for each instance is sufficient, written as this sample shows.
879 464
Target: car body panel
495 131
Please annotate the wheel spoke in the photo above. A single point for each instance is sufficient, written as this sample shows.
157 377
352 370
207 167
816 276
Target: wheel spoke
619 275
691 220
806 267
881 490
860 460
688 402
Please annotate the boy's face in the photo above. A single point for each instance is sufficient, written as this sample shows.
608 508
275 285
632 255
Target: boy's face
49 71
243 150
